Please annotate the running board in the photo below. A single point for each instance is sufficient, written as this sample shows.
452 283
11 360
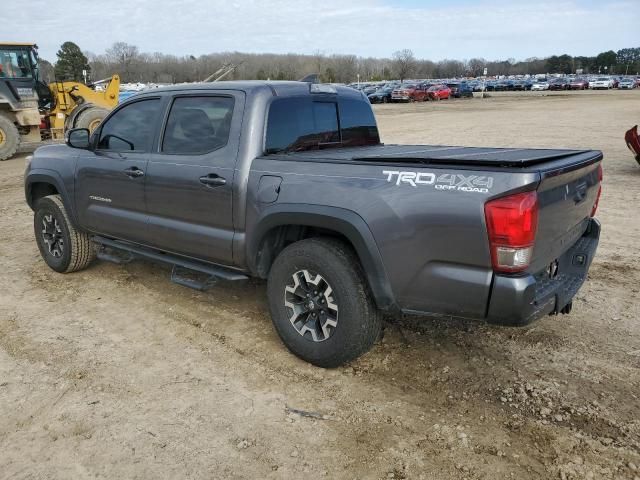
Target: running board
117 256
192 279
185 271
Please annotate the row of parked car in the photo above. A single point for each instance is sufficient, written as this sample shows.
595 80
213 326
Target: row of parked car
593 83
422 90
415 91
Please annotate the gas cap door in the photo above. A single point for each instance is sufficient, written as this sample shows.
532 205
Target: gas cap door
269 188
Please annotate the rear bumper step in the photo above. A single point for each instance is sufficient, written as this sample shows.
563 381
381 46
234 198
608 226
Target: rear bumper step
519 300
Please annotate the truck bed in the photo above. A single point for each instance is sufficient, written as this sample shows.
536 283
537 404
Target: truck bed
450 155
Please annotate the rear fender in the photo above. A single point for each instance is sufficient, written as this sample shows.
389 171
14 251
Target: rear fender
342 221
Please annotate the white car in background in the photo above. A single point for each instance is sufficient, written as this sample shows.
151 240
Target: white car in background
627 83
540 86
601 82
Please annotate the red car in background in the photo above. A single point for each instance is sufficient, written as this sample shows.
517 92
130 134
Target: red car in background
438 92
579 84
633 142
410 92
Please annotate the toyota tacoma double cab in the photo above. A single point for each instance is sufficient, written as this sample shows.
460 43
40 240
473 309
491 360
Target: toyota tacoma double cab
289 182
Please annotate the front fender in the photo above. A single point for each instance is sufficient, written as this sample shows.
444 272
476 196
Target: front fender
343 221
51 177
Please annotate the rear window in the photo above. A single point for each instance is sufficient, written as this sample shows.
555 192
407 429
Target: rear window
304 123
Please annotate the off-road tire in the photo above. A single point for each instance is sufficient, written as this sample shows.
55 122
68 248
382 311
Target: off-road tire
359 322
78 251
9 138
91 118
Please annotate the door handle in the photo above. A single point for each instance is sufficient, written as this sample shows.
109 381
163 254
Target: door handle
134 172
213 180
581 193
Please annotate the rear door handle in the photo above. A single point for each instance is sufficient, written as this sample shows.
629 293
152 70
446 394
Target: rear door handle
134 172
213 180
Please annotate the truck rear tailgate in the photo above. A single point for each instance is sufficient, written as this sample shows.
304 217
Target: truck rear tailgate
567 194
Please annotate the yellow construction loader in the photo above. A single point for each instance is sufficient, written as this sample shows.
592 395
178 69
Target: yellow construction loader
32 112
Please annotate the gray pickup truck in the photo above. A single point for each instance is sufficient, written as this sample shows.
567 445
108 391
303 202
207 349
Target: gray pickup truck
288 181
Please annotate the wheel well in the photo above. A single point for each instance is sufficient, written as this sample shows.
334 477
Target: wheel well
278 238
40 190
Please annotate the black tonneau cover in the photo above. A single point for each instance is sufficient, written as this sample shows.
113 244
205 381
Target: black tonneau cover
450 155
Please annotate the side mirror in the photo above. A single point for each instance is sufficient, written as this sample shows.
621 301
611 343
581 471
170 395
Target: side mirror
78 138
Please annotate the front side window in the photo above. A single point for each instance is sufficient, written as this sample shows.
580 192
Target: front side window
130 128
15 64
198 125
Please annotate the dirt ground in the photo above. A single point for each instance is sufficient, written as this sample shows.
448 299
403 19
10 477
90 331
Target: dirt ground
115 372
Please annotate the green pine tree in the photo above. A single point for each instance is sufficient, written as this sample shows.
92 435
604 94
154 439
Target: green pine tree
71 62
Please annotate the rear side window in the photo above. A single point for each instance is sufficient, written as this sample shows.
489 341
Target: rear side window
131 127
198 125
357 123
303 123
297 124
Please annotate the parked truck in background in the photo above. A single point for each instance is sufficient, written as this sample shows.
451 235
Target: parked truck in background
288 182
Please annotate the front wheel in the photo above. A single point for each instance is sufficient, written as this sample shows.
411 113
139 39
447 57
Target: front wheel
63 248
320 302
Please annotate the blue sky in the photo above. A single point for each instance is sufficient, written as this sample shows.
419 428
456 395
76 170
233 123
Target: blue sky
458 29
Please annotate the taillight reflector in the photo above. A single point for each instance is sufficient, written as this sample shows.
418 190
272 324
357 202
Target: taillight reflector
512 222
595 205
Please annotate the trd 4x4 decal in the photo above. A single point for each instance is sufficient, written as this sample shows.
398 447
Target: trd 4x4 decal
444 181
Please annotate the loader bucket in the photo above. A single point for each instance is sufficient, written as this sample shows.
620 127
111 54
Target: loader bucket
633 142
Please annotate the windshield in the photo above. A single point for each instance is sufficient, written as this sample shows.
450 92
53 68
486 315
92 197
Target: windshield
15 64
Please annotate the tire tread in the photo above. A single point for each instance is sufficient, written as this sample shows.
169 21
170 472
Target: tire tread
82 249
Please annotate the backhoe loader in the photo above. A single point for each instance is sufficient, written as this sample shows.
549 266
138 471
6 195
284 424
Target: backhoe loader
32 111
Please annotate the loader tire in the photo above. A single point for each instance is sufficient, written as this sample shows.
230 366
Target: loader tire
9 138
91 118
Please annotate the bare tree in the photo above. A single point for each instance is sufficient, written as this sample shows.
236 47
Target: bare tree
123 55
404 63
162 68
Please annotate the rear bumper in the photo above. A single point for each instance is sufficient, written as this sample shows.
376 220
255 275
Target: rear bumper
517 301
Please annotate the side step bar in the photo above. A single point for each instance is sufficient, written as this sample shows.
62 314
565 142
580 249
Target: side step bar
185 271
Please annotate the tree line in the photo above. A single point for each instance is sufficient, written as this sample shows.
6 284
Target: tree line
135 66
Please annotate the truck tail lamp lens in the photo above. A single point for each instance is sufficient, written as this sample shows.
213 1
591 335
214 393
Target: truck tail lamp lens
595 205
512 222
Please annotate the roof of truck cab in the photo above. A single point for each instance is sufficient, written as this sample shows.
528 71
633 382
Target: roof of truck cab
278 88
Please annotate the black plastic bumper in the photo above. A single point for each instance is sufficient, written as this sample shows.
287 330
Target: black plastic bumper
520 300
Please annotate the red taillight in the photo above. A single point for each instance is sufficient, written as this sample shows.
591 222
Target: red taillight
512 222
595 205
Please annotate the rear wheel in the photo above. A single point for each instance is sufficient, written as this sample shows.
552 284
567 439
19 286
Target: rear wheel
91 118
320 303
62 247
9 138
